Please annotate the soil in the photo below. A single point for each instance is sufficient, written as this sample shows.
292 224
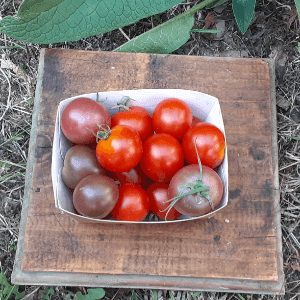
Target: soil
273 33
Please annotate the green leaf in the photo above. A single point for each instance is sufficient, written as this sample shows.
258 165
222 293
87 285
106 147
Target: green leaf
171 295
11 47
155 296
299 47
243 12
44 21
297 2
194 295
134 296
47 293
206 30
92 294
6 290
218 3
162 39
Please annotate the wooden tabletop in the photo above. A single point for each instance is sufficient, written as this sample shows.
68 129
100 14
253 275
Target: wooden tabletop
239 249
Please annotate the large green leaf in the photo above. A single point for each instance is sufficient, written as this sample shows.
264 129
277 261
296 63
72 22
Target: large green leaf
164 38
45 21
297 2
243 12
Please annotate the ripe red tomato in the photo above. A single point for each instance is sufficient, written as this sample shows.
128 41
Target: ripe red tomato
172 116
190 205
210 142
162 157
133 176
80 120
121 151
136 117
133 204
158 195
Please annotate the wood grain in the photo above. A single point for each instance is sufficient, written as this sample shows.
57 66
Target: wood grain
239 243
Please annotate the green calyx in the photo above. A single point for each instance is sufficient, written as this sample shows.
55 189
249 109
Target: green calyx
196 187
103 133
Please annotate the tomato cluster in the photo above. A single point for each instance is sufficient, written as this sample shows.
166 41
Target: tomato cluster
130 164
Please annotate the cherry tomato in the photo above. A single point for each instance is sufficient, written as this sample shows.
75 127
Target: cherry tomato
158 196
210 142
162 157
195 121
133 176
172 116
136 117
133 204
95 196
190 205
121 151
79 162
80 120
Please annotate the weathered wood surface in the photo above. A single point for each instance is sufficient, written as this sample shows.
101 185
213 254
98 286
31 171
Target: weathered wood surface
240 246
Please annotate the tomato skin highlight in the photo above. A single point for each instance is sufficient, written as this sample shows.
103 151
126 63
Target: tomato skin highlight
162 157
133 204
189 205
210 142
138 118
121 151
172 116
80 120
158 195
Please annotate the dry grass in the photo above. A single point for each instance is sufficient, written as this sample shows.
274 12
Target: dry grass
269 36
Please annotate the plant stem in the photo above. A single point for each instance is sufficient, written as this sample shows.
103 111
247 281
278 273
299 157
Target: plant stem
198 7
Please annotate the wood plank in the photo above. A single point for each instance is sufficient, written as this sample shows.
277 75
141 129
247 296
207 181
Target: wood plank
239 246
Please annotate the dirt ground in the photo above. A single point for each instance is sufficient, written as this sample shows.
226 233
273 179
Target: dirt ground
273 33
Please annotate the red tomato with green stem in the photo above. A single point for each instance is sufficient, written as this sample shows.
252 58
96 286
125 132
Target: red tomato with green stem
136 117
162 157
81 118
158 196
119 149
210 142
133 204
172 116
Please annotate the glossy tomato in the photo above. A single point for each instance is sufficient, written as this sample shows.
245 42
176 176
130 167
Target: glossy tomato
133 176
210 142
80 161
136 117
80 120
121 151
95 196
172 116
162 157
133 204
192 205
158 197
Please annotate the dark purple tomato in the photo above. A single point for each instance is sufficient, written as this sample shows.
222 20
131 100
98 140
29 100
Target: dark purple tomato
95 196
190 205
80 161
80 120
